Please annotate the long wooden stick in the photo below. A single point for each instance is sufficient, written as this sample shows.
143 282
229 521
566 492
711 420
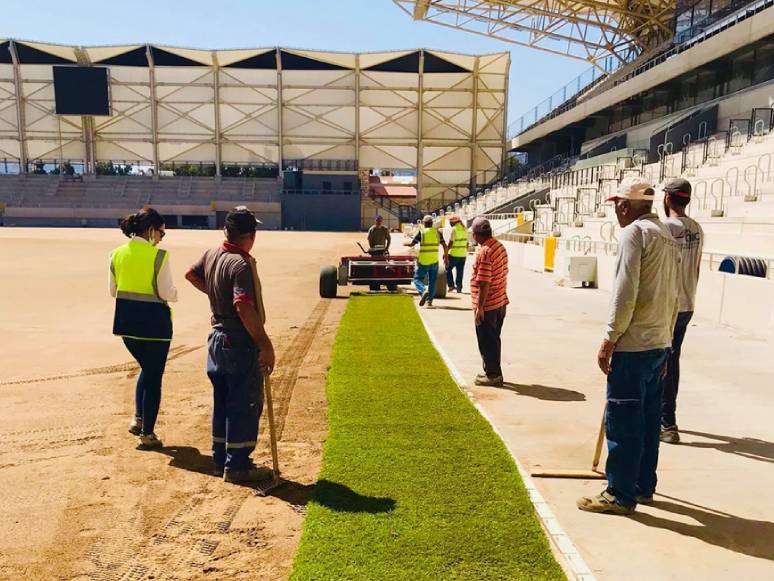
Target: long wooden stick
272 433
592 474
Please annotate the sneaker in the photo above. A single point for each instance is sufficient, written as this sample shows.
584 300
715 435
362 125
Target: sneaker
490 381
135 428
644 499
459 291
603 503
150 441
250 474
429 304
423 300
670 435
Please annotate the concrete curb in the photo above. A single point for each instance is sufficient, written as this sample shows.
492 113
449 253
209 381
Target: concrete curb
571 560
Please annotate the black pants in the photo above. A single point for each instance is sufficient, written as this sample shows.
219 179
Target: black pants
488 335
152 358
672 379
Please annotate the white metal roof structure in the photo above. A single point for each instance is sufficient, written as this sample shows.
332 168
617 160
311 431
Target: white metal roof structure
440 113
589 30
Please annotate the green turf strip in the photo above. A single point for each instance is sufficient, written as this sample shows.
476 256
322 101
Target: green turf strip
415 484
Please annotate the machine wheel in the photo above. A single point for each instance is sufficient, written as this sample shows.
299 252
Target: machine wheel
440 285
392 287
328 279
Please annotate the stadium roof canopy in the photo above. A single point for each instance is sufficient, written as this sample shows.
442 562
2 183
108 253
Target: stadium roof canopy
583 29
439 114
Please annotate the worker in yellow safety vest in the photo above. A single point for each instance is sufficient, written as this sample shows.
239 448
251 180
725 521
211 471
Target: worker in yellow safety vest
141 282
458 252
428 239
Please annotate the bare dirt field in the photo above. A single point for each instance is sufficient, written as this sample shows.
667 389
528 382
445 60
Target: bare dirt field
77 500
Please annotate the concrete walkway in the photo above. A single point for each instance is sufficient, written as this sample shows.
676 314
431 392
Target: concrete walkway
714 511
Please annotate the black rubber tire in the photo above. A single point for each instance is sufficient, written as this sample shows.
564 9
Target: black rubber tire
392 287
440 284
328 282
758 267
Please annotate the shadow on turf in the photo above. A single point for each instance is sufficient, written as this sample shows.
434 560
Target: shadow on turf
333 495
741 535
544 392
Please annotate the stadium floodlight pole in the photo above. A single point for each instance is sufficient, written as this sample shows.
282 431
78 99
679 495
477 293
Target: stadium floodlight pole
20 117
154 111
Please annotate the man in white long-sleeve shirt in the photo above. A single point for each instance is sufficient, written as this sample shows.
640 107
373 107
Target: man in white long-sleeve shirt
643 309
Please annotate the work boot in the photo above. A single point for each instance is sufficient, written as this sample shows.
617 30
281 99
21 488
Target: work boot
490 381
603 503
217 470
644 499
423 300
150 441
429 304
135 428
250 474
670 435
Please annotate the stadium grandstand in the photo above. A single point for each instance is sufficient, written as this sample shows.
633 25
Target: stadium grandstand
696 103
88 133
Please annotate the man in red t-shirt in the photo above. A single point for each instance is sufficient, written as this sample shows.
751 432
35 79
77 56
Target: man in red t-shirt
488 290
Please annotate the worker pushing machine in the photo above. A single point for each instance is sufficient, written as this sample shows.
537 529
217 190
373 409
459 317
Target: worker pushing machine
458 252
239 350
428 239
379 235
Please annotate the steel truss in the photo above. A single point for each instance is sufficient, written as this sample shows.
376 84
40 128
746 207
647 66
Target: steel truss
588 30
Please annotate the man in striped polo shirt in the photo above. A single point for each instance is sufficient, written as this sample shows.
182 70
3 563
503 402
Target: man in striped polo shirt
488 288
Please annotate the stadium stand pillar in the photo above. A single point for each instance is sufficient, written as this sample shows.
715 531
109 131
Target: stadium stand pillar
474 132
420 111
280 152
216 93
19 95
154 112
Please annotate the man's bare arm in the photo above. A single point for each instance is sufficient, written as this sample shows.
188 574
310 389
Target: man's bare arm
196 281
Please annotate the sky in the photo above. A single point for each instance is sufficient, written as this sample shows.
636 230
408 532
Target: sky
338 25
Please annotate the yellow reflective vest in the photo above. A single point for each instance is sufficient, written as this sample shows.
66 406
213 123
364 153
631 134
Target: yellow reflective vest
459 244
140 312
428 247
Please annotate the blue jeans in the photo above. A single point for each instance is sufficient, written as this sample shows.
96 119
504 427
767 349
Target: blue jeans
672 379
457 262
633 423
152 358
429 271
232 366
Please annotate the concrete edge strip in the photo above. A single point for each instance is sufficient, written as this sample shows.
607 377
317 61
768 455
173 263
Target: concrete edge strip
574 563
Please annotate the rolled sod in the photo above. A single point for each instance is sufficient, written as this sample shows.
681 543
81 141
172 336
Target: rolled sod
414 484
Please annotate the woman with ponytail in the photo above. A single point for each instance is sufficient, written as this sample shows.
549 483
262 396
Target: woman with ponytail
141 282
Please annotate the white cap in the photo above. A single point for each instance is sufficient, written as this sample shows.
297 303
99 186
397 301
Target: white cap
634 188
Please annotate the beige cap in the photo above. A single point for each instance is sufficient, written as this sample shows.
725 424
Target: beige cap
454 219
634 188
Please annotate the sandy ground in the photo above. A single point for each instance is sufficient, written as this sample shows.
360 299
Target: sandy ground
78 500
714 512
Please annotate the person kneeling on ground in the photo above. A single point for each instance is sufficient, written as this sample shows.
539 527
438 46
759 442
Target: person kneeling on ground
141 282
643 309
428 239
488 292
239 350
